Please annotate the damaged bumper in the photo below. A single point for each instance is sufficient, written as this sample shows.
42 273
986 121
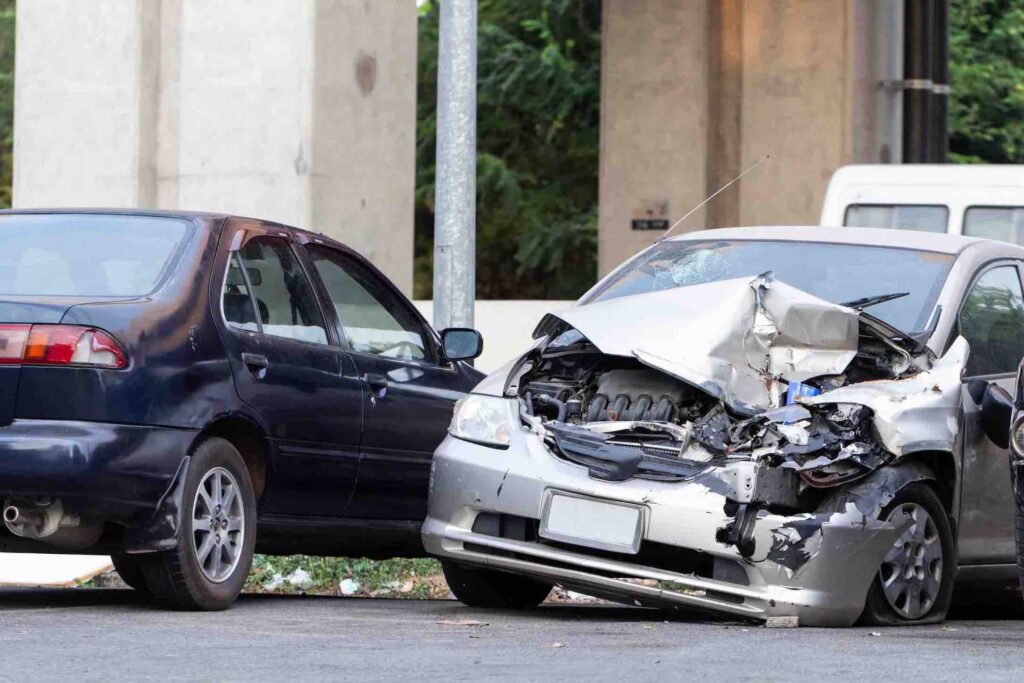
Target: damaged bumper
488 507
116 471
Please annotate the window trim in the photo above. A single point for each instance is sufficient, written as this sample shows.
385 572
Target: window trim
249 235
893 205
1017 265
233 255
428 333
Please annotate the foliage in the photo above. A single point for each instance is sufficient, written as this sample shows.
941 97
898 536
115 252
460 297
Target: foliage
408 578
538 104
6 101
986 48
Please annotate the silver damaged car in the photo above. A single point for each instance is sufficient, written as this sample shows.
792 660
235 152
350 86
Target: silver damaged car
756 422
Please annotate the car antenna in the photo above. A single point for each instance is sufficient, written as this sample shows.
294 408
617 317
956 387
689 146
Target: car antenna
747 170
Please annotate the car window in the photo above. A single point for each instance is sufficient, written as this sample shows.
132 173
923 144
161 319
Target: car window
838 273
285 303
1004 223
375 320
86 254
992 322
923 218
238 304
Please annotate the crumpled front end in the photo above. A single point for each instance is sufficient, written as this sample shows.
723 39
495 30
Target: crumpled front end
728 447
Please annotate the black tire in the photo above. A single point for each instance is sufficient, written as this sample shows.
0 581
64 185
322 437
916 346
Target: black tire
493 589
877 609
1017 477
129 568
175 577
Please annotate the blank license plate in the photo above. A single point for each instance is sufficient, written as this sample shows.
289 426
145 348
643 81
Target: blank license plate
592 523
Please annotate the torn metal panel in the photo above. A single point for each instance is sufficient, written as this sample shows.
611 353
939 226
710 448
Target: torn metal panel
914 414
733 339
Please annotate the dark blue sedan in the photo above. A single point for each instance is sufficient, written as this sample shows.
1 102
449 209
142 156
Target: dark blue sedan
181 390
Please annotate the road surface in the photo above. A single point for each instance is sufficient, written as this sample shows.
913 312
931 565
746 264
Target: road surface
103 634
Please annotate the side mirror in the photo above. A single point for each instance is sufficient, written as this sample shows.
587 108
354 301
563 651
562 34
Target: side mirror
461 343
996 410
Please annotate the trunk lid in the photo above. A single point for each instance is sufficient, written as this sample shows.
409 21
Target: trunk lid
25 311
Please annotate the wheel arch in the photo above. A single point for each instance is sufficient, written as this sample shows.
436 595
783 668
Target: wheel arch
946 481
249 439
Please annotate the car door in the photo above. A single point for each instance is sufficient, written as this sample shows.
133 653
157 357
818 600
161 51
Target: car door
290 368
992 320
409 391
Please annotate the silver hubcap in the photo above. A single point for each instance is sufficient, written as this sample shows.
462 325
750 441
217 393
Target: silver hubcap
218 524
911 572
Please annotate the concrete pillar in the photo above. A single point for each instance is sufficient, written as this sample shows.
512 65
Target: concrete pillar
302 112
654 106
694 92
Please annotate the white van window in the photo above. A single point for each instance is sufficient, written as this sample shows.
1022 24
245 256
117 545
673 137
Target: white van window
921 217
1004 223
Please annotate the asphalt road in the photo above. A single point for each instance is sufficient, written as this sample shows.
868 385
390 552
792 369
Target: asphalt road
107 634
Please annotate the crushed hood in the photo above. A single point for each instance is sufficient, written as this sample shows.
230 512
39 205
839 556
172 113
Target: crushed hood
733 339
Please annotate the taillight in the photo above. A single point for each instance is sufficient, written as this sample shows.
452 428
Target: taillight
59 345
12 343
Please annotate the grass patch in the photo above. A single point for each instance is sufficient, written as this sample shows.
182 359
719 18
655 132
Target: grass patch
418 578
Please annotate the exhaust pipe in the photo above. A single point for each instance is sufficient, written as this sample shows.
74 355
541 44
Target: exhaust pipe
46 520
23 516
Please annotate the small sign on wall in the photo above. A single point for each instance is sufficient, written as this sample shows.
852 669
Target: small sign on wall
650 224
651 215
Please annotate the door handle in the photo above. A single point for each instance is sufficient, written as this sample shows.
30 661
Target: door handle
256 363
378 383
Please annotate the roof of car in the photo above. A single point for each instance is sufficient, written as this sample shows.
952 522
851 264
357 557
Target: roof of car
902 239
201 215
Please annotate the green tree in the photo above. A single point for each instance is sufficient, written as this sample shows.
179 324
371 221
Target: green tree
986 68
538 104
6 101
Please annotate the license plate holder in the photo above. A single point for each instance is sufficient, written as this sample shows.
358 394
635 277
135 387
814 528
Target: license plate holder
592 522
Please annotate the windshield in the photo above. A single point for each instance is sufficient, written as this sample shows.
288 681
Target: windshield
85 255
838 273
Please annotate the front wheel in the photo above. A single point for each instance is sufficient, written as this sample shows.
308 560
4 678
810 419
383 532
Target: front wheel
915 582
216 534
488 588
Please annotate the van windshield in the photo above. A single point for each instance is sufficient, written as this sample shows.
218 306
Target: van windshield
835 272
86 254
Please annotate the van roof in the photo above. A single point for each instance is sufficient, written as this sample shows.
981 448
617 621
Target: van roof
988 175
881 237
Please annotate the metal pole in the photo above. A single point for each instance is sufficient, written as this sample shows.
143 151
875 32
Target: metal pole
455 184
917 80
940 85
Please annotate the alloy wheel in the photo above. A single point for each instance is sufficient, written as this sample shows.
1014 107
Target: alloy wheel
218 524
911 573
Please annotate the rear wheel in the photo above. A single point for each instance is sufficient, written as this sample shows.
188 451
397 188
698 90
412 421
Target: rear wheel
129 568
488 588
216 534
915 582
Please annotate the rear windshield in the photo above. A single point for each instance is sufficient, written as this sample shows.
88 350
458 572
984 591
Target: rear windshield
86 255
840 273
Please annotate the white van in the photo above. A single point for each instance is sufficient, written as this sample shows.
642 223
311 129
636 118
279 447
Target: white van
977 200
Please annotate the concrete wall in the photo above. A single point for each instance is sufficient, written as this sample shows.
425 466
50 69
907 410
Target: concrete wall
301 112
507 326
694 92
654 89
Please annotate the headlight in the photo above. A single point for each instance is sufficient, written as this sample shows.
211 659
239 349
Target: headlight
1017 435
485 420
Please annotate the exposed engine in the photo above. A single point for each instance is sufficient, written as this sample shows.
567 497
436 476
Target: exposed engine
623 419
